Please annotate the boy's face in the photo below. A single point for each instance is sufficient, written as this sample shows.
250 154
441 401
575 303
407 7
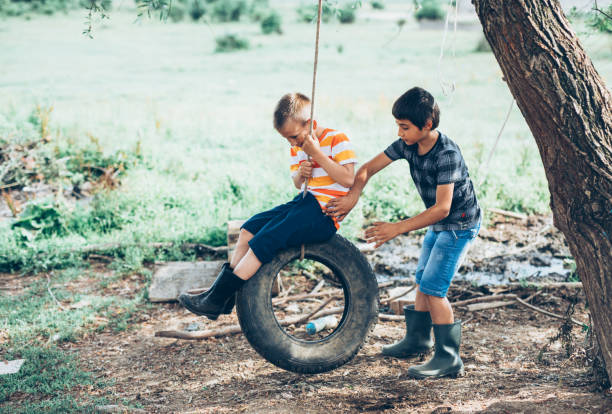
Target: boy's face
294 131
410 133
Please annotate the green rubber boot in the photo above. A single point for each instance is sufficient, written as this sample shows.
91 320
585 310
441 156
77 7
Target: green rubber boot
418 335
446 360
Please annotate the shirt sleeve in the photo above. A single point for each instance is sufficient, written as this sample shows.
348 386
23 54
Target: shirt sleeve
295 161
394 151
449 167
342 150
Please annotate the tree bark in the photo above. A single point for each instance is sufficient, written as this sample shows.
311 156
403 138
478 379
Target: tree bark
569 111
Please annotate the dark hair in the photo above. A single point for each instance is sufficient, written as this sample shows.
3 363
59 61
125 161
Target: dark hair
418 106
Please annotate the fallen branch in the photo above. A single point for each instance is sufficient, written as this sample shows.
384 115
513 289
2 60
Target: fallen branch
391 299
52 295
507 213
234 329
159 245
484 299
553 315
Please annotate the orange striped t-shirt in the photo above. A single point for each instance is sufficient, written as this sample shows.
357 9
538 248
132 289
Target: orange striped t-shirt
338 148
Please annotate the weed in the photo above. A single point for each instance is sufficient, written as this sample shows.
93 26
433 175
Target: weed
230 43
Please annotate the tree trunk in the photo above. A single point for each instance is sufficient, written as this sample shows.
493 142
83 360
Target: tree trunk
569 111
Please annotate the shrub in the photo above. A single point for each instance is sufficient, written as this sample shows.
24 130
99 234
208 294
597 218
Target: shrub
259 9
196 10
377 4
271 23
230 43
308 13
347 14
229 10
177 11
430 10
601 22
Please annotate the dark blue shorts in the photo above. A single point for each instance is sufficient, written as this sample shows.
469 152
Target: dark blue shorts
297 222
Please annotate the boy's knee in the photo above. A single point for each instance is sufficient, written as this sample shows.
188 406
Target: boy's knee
244 235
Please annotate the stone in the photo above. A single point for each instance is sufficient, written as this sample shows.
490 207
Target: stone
10 367
174 278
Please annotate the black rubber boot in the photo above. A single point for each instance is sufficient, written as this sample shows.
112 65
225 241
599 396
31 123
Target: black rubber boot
418 335
217 299
230 303
446 360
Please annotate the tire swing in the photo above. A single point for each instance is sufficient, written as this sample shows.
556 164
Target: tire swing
347 269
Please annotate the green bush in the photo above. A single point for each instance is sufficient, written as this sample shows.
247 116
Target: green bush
196 10
430 10
271 23
229 10
48 7
347 14
230 43
377 4
177 11
259 9
308 12
601 22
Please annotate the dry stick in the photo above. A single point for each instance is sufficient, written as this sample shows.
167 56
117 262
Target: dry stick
483 299
318 286
311 314
110 246
52 295
502 304
508 213
554 315
389 300
234 329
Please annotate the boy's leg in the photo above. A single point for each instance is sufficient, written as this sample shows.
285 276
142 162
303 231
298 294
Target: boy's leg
444 259
304 223
242 247
248 265
418 321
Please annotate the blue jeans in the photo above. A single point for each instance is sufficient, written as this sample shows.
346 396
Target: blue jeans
441 256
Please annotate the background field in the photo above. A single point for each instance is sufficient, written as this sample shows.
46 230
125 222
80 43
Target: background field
202 120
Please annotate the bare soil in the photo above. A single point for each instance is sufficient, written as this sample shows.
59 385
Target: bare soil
512 365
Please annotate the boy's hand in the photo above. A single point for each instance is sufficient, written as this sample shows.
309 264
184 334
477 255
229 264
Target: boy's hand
305 170
381 232
310 145
339 207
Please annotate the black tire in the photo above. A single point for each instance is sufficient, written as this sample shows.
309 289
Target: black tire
271 341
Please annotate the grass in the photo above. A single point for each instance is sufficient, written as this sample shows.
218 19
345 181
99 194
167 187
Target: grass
201 121
36 329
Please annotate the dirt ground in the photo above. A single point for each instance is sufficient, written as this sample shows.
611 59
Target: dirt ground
509 367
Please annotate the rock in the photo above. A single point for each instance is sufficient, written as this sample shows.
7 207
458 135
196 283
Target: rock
540 260
174 278
10 367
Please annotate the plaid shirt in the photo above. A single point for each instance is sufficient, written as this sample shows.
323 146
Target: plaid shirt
443 164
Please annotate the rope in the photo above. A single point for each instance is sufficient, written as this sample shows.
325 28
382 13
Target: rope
448 87
486 164
312 97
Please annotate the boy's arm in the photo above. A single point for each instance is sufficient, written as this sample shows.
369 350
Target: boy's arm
303 172
342 174
381 232
339 207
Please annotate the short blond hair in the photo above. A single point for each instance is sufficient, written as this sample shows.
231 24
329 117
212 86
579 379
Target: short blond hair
291 105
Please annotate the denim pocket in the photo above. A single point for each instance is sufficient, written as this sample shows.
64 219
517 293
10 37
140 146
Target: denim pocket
466 234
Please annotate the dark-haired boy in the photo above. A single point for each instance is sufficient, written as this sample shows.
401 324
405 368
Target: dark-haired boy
452 214
329 174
